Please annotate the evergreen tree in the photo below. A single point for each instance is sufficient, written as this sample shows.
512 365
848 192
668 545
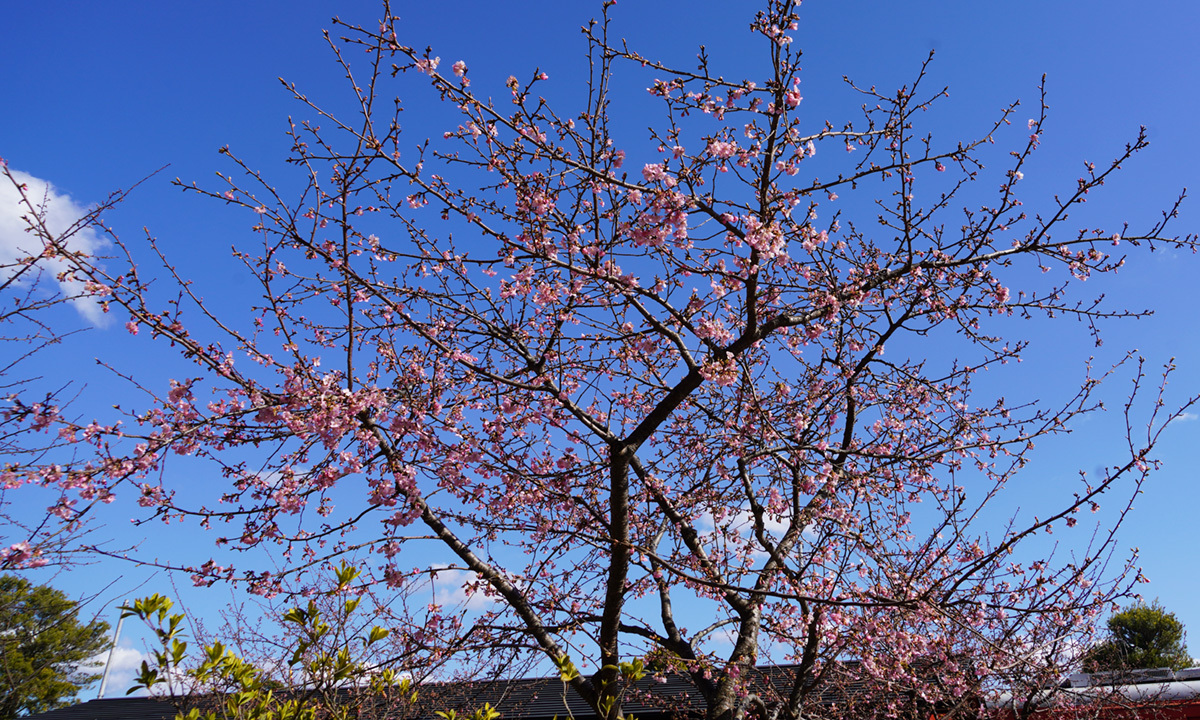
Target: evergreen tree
43 646
1142 636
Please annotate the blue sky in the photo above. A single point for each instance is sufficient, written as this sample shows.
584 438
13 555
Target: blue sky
102 95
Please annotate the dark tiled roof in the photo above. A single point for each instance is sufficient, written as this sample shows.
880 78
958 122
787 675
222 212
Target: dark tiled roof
136 708
667 698
670 696
545 698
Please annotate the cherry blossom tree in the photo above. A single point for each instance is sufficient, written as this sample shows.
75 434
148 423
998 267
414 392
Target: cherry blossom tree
642 400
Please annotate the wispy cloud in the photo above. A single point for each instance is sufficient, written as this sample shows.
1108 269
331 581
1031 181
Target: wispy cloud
62 217
1186 417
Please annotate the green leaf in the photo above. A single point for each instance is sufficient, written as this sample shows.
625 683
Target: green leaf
566 669
487 712
634 670
345 575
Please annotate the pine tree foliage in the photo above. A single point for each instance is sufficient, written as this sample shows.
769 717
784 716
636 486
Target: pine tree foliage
1142 636
44 647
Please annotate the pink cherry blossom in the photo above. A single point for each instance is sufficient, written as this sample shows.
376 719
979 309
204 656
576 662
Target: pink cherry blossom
427 65
653 172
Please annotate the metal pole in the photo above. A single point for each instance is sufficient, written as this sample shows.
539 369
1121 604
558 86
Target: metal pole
107 665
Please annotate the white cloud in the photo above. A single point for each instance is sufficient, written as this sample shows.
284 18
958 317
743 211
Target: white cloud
1186 417
449 588
62 217
126 662
726 635
741 522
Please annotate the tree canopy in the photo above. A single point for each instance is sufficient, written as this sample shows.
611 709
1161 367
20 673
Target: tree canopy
703 396
43 647
1142 636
